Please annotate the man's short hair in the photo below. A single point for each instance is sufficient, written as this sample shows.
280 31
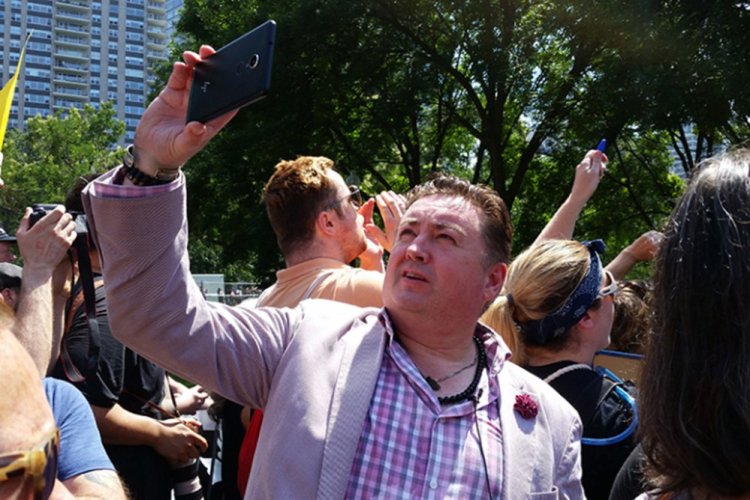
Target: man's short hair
10 275
496 226
295 194
74 199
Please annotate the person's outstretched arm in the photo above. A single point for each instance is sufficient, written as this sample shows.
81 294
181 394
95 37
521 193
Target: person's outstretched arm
588 173
42 247
141 233
643 249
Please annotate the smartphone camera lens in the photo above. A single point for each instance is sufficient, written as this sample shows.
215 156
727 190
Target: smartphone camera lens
253 62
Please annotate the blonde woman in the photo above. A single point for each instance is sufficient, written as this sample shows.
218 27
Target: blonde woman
556 312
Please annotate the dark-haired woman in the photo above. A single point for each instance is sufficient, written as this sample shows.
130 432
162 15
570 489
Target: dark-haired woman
695 387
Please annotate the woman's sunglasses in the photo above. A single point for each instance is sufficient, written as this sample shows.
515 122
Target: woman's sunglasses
612 286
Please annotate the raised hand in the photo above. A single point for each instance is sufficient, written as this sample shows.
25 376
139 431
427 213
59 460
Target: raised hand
644 248
588 173
372 257
391 207
163 140
45 244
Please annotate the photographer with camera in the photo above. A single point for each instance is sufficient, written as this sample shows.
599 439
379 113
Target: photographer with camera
148 444
43 246
44 238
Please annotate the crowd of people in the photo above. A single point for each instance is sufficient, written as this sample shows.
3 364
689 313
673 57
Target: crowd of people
454 371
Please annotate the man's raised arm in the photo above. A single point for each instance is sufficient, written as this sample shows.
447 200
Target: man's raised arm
42 247
140 229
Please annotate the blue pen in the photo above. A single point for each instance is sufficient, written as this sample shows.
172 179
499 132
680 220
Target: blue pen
602 145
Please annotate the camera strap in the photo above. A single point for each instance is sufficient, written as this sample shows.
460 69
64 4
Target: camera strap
87 295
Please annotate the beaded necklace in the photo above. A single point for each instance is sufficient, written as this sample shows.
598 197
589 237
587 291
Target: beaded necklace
469 391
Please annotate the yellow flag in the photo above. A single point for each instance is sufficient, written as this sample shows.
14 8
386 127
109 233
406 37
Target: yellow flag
6 97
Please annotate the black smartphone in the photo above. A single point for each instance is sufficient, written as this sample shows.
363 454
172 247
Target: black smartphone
238 74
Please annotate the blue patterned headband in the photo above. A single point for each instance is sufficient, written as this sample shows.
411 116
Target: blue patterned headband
540 332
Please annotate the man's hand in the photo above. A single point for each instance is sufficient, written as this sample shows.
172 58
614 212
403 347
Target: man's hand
178 443
391 207
372 257
44 245
162 139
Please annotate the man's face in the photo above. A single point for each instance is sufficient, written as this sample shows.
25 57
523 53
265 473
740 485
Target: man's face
6 252
352 236
438 262
25 416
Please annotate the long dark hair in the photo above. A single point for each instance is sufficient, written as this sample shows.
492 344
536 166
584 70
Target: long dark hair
695 387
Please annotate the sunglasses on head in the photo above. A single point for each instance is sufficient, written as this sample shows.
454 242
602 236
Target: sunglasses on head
612 286
39 463
354 197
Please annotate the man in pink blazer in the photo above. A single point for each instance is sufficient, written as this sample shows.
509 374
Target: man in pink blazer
413 400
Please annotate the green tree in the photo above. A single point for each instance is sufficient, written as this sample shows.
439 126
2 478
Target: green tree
506 92
43 160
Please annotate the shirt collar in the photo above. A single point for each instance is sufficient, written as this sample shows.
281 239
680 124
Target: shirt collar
497 351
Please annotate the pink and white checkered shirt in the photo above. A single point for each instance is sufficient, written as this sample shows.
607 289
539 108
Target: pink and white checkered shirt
411 447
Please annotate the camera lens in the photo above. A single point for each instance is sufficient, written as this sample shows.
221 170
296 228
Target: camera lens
253 62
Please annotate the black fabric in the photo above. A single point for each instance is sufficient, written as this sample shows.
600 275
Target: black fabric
583 389
145 473
232 434
630 481
125 378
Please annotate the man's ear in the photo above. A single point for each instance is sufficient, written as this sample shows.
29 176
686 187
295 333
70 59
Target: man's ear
495 280
326 223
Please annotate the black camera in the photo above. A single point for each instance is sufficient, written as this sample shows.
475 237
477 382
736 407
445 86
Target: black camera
39 210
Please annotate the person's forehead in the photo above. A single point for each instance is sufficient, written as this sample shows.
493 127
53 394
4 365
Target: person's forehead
337 179
442 210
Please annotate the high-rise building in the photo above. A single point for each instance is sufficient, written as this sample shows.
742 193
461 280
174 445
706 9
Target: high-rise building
173 9
83 51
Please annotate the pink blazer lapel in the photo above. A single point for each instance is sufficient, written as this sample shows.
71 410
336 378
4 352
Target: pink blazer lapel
355 385
524 465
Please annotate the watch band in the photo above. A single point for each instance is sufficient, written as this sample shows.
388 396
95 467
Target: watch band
140 178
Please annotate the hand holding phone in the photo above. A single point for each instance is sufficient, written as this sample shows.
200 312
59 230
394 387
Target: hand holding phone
238 74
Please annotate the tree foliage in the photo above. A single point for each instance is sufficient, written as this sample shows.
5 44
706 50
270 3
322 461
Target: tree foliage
507 92
43 160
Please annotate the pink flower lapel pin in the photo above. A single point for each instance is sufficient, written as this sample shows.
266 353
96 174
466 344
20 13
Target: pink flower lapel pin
526 406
